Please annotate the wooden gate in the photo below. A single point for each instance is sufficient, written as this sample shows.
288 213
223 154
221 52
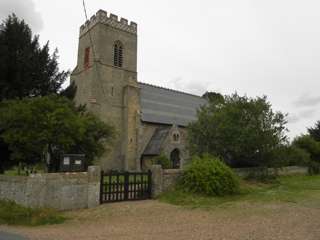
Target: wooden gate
125 186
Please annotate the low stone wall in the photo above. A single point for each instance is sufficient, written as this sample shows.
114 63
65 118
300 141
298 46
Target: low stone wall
170 177
62 191
164 179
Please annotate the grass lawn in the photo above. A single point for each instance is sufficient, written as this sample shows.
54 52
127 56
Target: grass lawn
14 214
303 190
15 172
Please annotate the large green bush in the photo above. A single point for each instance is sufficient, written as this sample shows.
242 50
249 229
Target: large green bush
312 147
210 176
291 155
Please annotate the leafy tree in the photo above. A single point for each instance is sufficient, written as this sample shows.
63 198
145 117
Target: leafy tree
243 131
26 69
70 91
315 131
291 155
34 126
312 147
307 143
213 97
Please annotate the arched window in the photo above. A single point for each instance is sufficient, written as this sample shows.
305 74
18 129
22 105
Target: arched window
118 54
176 137
175 158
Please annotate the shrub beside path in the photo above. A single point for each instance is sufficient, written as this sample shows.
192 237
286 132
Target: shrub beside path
155 220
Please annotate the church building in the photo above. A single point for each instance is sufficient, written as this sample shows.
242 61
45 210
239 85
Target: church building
148 120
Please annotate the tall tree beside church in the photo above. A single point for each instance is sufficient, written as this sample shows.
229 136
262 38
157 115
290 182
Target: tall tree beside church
241 130
35 126
26 68
214 97
315 131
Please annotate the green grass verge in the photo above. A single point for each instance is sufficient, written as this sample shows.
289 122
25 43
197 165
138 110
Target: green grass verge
13 173
15 214
303 190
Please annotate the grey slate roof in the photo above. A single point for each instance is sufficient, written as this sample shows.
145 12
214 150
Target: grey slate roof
154 146
166 106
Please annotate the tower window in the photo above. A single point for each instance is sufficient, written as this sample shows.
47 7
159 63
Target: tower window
118 54
86 57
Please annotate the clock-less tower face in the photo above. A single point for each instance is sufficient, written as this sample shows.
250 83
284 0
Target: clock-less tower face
106 80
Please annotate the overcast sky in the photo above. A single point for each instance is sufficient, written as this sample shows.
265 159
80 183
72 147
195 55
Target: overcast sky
254 47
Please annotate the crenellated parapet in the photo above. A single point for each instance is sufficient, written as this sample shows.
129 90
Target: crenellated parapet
112 20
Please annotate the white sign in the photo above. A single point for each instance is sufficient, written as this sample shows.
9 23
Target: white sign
77 162
66 161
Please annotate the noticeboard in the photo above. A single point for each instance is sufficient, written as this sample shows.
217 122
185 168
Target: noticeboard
72 163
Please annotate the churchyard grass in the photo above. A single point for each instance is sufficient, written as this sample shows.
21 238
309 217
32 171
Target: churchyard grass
15 214
302 190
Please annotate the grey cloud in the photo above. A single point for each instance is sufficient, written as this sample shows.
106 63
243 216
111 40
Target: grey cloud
307 101
293 118
198 88
24 9
306 114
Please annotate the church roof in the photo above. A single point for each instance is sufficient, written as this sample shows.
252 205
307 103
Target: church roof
166 106
154 146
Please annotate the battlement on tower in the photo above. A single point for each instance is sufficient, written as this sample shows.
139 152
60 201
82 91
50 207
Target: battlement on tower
112 20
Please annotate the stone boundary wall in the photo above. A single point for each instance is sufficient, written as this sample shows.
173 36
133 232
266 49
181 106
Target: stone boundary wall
170 177
62 191
164 179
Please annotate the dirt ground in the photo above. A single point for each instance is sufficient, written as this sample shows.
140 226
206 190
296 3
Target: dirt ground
155 220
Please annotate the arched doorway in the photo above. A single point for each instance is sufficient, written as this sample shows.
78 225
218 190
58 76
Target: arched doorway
175 158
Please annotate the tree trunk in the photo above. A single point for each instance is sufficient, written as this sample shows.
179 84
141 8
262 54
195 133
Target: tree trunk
1 168
54 163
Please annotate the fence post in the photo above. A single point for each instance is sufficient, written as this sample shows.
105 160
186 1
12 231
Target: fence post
126 185
149 183
101 186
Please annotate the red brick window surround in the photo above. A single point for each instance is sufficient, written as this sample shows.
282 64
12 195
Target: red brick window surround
86 57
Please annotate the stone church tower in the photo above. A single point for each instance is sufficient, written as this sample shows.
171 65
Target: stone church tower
149 120
106 80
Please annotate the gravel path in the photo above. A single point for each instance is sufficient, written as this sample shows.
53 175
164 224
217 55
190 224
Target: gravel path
145 220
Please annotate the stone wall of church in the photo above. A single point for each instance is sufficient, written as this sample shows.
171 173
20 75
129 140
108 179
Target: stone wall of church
146 132
182 144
